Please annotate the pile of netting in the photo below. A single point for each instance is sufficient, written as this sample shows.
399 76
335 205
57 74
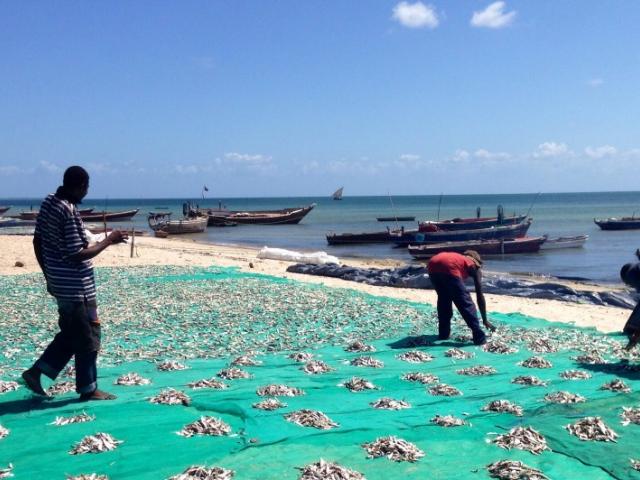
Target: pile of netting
222 375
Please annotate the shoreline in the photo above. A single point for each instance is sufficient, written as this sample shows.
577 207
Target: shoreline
185 252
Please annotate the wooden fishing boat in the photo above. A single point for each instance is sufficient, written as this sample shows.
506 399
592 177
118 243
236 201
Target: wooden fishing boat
395 219
109 216
4 209
286 216
469 223
16 222
387 236
28 215
483 247
493 233
624 223
96 230
163 222
564 242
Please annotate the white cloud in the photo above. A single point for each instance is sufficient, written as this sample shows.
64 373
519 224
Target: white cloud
595 82
415 15
601 152
409 157
187 169
552 149
6 170
461 155
493 16
247 159
50 167
487 155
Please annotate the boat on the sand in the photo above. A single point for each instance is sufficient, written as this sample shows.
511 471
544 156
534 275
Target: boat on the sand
163 222
483 247
4 209
576 241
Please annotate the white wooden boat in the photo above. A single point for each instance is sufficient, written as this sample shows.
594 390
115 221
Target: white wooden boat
564 242
161 222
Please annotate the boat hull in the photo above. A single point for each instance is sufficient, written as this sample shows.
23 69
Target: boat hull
493 233
470 223
483 247
364 238
109 216
615 224
564 242
286 216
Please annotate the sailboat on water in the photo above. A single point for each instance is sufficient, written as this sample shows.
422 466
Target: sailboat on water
337 195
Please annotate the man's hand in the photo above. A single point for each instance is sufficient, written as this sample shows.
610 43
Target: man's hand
116 236
488 325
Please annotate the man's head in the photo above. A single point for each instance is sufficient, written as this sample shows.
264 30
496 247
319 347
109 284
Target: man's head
76 181
475 256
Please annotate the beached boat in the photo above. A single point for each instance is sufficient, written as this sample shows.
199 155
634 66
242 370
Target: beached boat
163 222
108 216
7 222
564 242
518 230
286 216
483 247
395 219
387 236
96 230
4 209
337 195
624 223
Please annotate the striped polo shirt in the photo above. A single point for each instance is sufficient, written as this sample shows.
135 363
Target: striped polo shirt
62 234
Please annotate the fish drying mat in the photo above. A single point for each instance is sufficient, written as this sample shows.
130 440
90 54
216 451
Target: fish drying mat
158 320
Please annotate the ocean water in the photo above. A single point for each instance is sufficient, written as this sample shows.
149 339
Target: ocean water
557 214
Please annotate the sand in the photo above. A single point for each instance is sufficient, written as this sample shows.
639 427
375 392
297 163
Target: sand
171 251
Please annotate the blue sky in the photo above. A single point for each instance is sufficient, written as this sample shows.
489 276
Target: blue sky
288 97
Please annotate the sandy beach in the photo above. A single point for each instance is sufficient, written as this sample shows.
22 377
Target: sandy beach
179 252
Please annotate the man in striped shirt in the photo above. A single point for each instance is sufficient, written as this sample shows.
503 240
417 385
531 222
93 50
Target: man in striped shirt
64 254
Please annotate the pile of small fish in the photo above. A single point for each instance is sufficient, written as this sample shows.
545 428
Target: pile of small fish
359 346
233 373
328 471
274 390
575 375
458 354
514 470
208 383
315 367
616 385
529 380
542 345
3 432
477 371
496 346
635 464
130 379
171 396
61 388
69 371
448 421
357 384
592 428
592 358
206 426
269 404
81 418
245 361
444 390
536 362
522 438
100 442
171 365
6 386
630 415
564 397
421 377
311 418
204 473
415 356
503 406
393 448
367 362
301 357
88 476
6 472
387 403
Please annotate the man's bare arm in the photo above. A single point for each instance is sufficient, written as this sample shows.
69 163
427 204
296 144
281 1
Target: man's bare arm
482 305
94 250
37 249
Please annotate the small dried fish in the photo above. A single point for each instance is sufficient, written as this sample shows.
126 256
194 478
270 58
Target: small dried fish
630 415
171 365
328 471
6 472
442 389
69 371
415 356
497 346
274 390
592 428
514 470
529 380
132 378
8 386
301 357
542 345
88 476
591 358
315 367
171 396
357 384
575 375
387 403
477 371
616 385
100 442
61 388
311 418
635 464
206 426
448 421
522 438
233 373
564 397
367 362
81 418
204 473
458 354
393 448
3 432
536 362
421 377
359 346
269 404
245 361
208 383
503 406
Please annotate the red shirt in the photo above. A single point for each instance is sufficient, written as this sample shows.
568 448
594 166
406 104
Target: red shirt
451 263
